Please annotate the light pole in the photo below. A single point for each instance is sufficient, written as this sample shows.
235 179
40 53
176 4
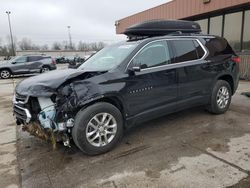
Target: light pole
70 42
11 37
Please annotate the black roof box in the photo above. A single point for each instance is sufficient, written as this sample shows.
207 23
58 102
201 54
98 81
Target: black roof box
162 27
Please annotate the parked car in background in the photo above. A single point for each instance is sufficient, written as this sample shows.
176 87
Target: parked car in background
79 61
27 64
60 60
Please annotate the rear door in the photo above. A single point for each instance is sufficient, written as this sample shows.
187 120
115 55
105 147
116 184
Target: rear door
153 90
34 63
193 77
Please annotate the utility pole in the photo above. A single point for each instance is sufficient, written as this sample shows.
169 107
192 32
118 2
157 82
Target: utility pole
70 42
11 37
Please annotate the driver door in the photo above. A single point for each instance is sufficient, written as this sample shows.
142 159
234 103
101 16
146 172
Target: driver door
19 65
152 91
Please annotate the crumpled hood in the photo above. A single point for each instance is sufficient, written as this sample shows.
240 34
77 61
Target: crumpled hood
46 84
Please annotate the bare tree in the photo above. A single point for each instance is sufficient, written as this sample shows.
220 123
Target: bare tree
25 44
57 46
44 47
83 46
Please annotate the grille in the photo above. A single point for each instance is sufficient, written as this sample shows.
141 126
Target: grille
20 98
20 113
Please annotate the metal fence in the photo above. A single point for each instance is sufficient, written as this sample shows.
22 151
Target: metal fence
245 66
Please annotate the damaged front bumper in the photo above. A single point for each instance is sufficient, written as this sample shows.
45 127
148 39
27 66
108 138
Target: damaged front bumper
41 122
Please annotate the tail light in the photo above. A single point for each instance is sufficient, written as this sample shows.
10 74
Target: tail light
53 62
236 59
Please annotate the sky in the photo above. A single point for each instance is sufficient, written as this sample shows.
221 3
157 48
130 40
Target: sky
46 21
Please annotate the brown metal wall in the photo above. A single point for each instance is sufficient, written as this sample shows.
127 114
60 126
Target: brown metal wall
177 9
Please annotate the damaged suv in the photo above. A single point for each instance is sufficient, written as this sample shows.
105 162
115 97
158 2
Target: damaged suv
128 83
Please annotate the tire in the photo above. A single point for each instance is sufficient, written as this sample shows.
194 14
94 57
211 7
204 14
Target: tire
219 105
5 74
85 122
45 69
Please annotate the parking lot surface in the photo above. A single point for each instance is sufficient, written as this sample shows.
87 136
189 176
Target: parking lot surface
191 148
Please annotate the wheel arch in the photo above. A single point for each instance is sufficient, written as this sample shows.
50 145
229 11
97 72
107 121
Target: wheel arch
114 100
6 68
228 78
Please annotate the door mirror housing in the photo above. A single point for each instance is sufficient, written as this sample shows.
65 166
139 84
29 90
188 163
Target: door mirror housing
13 62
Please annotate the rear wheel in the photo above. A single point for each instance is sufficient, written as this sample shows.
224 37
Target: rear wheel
5 73
45 69
221 97
98 128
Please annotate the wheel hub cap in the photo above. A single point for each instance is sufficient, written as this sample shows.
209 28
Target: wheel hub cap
222 97
5 74
101 129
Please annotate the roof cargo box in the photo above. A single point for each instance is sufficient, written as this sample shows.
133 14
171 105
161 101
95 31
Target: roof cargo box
162 27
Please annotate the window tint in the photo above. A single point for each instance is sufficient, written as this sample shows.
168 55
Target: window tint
185 50
155 54
21 59
34 58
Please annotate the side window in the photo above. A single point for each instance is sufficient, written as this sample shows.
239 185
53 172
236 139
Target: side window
34 58
22 59
199 50
185 50
154 54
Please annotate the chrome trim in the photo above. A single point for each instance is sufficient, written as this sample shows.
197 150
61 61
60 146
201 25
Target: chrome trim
27 112
14 101
184 38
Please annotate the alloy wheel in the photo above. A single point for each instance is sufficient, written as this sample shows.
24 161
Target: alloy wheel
222 97
45 69
101 129
5 74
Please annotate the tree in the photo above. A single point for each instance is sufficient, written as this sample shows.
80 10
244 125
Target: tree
56 46
82 46
25 44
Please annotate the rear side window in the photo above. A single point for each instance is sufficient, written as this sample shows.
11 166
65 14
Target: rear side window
200 52
34 58
187 50
153 55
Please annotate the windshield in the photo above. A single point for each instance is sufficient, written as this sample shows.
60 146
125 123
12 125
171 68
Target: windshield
109 57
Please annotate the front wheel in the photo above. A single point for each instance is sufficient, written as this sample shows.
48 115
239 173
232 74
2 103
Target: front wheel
221 97
5 74
98 128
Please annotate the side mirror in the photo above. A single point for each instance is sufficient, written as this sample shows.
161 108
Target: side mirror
13 62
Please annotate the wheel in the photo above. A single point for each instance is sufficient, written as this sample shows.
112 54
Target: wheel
221 97
45 69
5 73
98 128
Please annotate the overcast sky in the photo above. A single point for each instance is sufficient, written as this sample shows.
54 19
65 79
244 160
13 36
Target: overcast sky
45 21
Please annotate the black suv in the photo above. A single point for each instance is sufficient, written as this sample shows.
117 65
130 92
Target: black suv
126 84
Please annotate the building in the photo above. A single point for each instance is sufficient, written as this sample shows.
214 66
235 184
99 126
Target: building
226 18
